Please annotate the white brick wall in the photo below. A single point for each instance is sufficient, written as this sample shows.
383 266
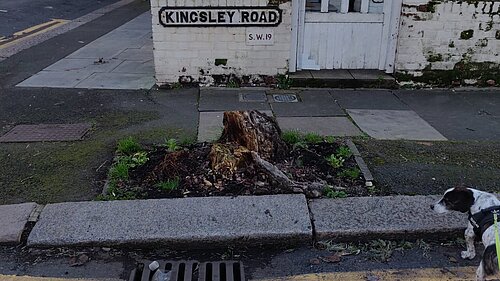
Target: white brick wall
423 33
191 51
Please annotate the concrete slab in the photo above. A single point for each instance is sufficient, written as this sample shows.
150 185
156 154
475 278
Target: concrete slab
369 74
394 125
303 74
117 81
13 220
194 222
136 67
224 99
325 126
136 54
312 103
55 79
331 74
210 125
96 50
392 217
367 99
84 65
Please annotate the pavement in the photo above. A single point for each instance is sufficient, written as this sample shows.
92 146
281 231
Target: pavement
412 121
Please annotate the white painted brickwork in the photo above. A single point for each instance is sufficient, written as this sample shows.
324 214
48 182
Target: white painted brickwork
424 34
191 52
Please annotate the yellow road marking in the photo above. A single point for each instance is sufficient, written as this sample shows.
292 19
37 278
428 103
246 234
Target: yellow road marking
31 31
417 274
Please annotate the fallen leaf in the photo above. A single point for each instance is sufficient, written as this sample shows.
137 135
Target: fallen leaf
452 259
314 261
78 261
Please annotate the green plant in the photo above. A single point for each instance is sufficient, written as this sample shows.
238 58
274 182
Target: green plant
291 137
283 81
334 161
138 159
313 138
168 185
128 146
352 173
119 171
171 145
176 86
330 139
331 193
381 250
232 84
344 152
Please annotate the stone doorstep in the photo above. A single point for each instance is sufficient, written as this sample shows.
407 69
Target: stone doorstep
13 220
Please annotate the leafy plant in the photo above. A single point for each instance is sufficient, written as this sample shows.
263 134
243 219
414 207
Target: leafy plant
233 84
119 171
291 137
344 152
330 139
168 185
335 161
171 145
138 159
283 81
313 138
381 250
352 173
331 193
128 146
115 193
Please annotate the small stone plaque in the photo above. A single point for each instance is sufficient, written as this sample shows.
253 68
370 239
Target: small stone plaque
260 36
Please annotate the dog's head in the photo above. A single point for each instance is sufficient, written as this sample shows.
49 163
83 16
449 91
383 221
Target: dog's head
455 199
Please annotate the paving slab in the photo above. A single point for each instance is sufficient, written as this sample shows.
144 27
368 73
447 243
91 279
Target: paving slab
55 79
194 222
368 99
312 103
117 81
84 65
391 217
13 219
325 126
394 125
331 74
223 99
369 74
210 124
136 67
137 54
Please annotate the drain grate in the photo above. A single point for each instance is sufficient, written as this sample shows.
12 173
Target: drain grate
253 97
46 132
192 271
285 98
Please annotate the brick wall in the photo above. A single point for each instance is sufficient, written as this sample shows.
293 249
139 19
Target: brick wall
188 54
438 35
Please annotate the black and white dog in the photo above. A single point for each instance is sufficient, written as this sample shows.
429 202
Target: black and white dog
480 207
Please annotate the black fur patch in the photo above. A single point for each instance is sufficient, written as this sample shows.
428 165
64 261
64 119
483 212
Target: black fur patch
490 263
459 199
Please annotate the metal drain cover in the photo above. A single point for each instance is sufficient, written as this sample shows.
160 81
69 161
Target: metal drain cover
285 98
253 97
191 271
46 132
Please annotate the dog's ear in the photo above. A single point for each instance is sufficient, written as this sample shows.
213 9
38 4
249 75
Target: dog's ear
459 199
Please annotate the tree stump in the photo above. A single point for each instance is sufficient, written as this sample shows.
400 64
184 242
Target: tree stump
255 131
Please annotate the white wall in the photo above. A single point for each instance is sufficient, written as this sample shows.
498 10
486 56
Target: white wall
190 52
426 35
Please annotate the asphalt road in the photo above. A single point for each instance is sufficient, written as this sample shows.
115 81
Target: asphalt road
21 14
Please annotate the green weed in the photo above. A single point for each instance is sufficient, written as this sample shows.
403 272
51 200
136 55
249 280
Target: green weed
232 84
291 137
331 193
283 81
335 161
352 173
119 171
344 152
128 146
168 185
171 145
313 138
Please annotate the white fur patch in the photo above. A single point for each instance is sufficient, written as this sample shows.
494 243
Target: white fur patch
440 208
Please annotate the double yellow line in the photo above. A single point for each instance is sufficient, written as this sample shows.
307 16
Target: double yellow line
30 32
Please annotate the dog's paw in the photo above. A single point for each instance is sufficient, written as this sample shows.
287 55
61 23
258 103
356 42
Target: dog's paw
467 255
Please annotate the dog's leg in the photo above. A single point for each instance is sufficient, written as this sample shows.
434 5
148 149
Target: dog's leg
480 272
470 253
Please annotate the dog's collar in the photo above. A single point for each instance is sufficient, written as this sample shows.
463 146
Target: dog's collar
483 219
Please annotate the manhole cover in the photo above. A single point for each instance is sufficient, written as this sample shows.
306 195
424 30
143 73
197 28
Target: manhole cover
285 98
46 132
253 97
189 271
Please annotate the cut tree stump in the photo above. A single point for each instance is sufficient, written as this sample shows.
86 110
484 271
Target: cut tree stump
255 131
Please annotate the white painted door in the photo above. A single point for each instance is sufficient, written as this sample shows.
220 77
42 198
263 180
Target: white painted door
344 34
